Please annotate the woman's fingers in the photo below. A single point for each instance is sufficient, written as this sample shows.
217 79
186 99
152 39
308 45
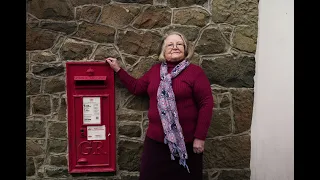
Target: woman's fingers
198 149
113 63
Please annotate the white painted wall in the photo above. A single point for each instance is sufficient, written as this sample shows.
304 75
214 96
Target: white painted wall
273 121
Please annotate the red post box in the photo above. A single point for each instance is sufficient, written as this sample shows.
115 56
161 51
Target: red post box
91 117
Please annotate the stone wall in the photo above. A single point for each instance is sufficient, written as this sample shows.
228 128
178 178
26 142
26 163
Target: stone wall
224 35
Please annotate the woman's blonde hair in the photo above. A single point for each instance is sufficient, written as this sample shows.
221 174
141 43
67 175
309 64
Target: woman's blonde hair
188 51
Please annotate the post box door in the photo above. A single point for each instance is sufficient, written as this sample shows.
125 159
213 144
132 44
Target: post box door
93 131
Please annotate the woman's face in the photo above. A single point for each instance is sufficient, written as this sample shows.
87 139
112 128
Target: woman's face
174 48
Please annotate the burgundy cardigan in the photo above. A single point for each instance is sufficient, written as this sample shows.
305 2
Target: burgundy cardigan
192 94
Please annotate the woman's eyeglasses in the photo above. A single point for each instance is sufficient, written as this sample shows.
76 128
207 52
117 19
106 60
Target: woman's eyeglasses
172 45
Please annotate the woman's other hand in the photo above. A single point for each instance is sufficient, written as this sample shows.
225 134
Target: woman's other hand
113 63
198 145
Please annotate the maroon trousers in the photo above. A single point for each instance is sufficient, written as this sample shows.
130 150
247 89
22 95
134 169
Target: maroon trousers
156 163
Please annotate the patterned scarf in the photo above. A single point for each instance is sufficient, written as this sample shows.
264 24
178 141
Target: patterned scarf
169 114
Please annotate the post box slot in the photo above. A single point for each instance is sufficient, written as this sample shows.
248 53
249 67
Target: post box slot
90 80
90 83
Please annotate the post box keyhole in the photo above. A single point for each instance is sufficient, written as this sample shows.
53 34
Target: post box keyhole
82 132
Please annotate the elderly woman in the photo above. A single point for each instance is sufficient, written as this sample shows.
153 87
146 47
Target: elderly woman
180 111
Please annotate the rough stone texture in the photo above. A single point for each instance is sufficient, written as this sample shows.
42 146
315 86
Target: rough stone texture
118 15
46 70
129 154
57 145
223 34
47 9
130 130
54 85
88 13
32 85
129 177
221 124
32 21
123 95
190 32
58 43
96 32
65 27
153 17
230 71
205 176
242 101
136 1
211 42
143 66
103 52
139 43
138 103
58 160
245 38
39 161
129 115
27 106
55 103
234 175
195 59
235 11
56 172
130 60
57 130
42 57
34 148
191 16
27 62
30 167
185 3
39 39
145 124
62 112
213 174
226 31
75 50
84 2
229 152
223 100
35 129
41 104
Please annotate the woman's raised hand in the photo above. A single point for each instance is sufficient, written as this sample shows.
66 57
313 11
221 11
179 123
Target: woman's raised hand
113 63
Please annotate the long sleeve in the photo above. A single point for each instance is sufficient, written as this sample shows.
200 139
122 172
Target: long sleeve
204 100
135 86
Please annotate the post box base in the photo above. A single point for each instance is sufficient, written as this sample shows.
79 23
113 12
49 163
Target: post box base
92 170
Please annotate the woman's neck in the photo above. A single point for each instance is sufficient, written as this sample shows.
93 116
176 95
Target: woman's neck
173 63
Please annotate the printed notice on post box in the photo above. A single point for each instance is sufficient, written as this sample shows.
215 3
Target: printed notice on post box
96 132
91 110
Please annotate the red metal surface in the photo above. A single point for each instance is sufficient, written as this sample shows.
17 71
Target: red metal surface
91 155
79 78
